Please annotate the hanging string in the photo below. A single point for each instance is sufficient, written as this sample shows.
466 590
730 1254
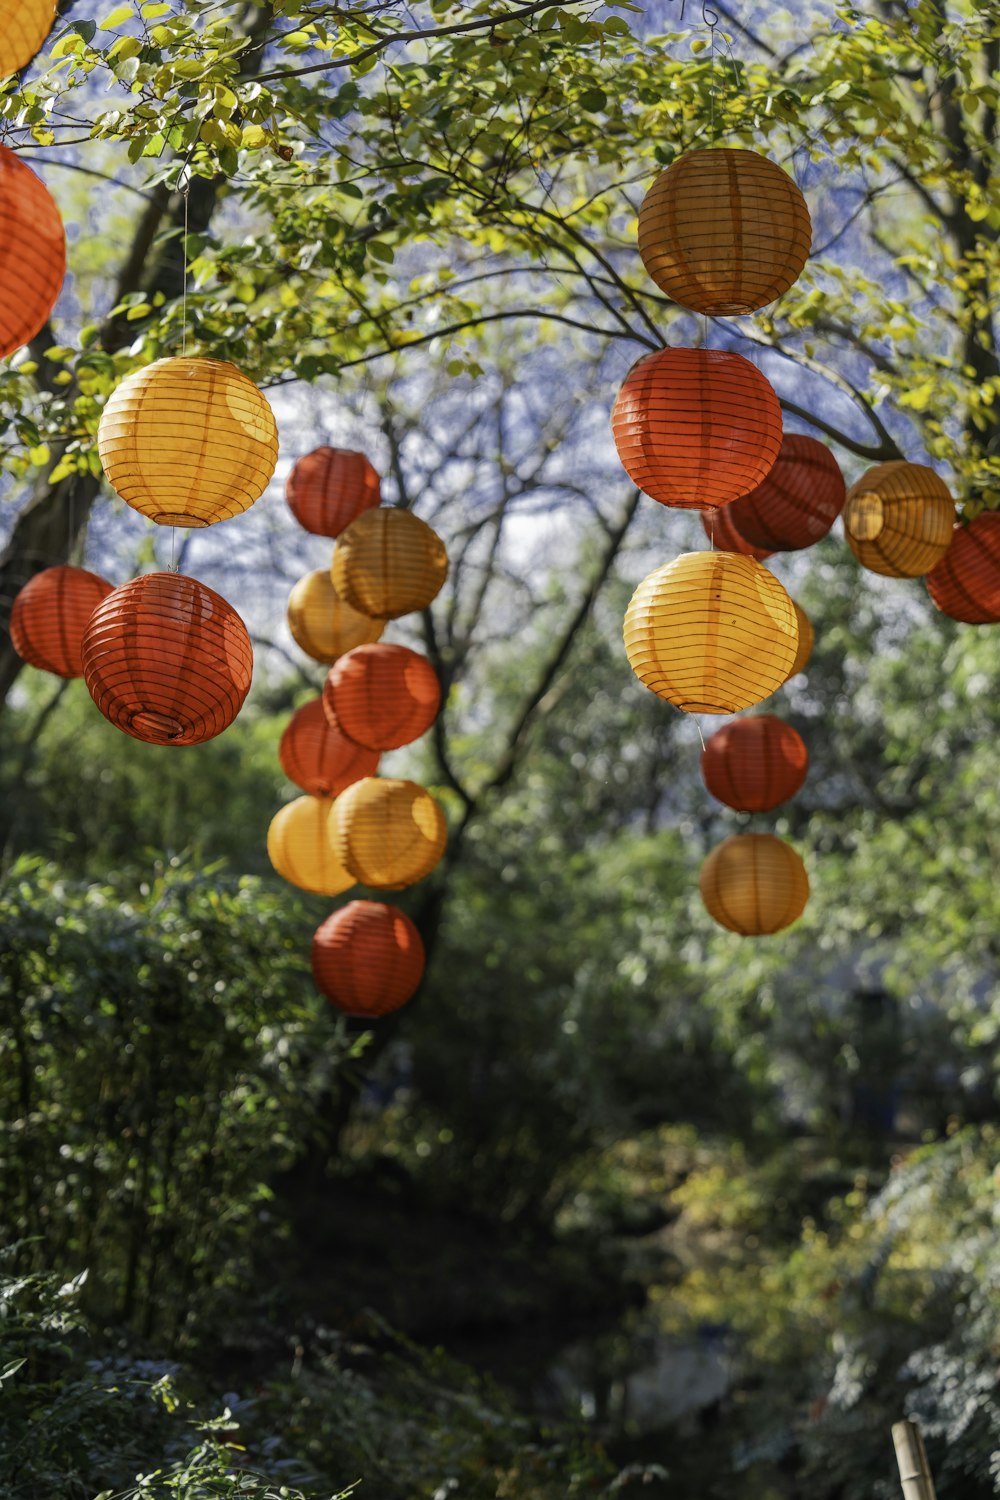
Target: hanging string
184 267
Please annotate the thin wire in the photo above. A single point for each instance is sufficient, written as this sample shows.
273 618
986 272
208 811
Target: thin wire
184 270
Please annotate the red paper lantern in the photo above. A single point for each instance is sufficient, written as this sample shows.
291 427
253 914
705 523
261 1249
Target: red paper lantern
318 756
797 503
718 527
965 584
51 613
367 959
32 253
696 427
382 696
754 764
328 488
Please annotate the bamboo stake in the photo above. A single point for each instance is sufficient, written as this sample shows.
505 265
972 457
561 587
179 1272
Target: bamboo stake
911 1456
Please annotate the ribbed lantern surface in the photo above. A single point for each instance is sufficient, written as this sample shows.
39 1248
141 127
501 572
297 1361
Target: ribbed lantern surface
388 562
696 427
329 488
724 231
382 696
50 614
167 660
711 632
754 883
188 441
367 958
388 833
718 527
899 518
32 253
797 503
965 584
299 847
322 624
24 25
753 764
807 636
318 756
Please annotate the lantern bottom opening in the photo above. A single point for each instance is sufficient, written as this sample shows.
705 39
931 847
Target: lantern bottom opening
160 726
178 518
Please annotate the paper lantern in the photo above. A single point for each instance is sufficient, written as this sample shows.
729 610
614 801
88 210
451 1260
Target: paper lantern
322 624
711 632
803 650
754 764
367 959
754 883
965 584
382 696
318 756
696 427
718 527
167 660
899 519
50 614
24 25
388 833
32 253
299 847
724 231
188 441
388 563
328 488
797 503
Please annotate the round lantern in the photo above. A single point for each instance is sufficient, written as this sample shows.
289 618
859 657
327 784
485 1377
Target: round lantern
50 614
382 696
807 636
797 503
188 441
724 231
718 527
965 584
329 488
319 757
322 624
696 427
388 562
24 25
711 632
389 834
367 959
167 660
754 764
899 519
299 847
754 883
32 252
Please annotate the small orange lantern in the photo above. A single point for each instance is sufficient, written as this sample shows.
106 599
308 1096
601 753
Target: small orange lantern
319 757
299 847
167 660
965 584
367 959
797 503
388 563
388 833
328 488
322 624
719 528
899 519
382 696
51 613
24 25
753 764
754 883
33 254
807 637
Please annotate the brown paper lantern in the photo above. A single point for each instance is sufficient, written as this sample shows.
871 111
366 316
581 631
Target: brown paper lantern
382 696
167 660
388 833
899 519
322 624
754 883
24 25
798 501
388 563
718 527
299 847
965 584
368 958
188 441
50 614
328 488
806 638
696 427
711 632
318 756
753 764
32 253
724 231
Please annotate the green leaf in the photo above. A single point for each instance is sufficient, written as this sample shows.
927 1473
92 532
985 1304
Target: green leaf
118 15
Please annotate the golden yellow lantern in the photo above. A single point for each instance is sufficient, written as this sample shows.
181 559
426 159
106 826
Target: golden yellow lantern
188 441
712 632
299 847
388 563
322 624
24 25
754 883
388 833
806 639
898 519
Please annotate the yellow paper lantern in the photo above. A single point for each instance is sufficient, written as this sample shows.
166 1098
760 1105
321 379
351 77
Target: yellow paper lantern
388 563
388 833
898 519
300 849
24 25
754 883
712 632
807 638
322 624
188 441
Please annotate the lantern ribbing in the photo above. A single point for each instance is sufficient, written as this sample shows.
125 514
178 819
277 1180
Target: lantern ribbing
754 884
389 563
965 584
32 253
367 958
754 764
322 623
50 615
24 25
329 488
899 518
388 833
319 757
299 847
382 696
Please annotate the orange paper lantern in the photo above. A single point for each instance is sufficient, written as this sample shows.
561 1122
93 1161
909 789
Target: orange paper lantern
696 427
299 847
965 584
32 253
24 25
711 632
803 650
328 488
367 959
388 563
755 763
388 833
322 624
167 660
724 231
798 501
318 756
382 696
51 613
899 519
718 527
754 883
